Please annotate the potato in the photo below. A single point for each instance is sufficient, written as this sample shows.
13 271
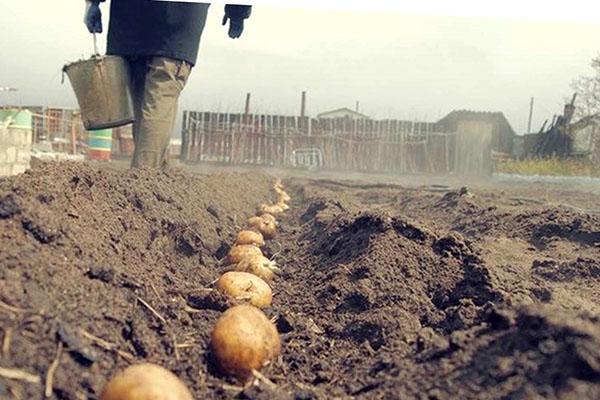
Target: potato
238 253
263 217
250 237
271 209
266 226
145 382
284 197
260 266
269 217
244 340
245 286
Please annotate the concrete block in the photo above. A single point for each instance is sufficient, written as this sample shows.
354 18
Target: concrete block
25 137
10 138
19 137
19 168
5 169
4 136
5 155
11 154
23 156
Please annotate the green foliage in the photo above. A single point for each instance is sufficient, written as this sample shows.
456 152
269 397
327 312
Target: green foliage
588 91
549 167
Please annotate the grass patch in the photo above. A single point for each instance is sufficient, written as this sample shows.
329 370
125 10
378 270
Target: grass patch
549 167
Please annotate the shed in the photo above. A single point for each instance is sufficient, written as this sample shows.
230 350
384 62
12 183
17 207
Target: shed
342 113
495 123
585 135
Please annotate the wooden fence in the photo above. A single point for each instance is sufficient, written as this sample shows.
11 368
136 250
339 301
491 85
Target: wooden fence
351 145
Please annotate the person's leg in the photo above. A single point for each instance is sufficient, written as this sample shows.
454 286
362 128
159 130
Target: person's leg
138 67
165 79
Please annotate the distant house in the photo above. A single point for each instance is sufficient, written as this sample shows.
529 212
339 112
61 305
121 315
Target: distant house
342 113
580 139
586 138
481 123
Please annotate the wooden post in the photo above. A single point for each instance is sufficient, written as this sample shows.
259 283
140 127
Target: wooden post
530 116
303 105
74 134
446 152
184 152
285 144
247 107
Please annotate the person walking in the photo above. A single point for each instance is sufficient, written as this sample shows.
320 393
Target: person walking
160 41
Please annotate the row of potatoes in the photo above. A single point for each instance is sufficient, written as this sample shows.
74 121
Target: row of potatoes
243 340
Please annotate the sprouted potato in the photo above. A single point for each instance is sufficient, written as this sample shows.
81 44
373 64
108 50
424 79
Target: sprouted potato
284 197
246 287
260 266
250 237
244 340
283 206
265 225
238 253
271 209
269 217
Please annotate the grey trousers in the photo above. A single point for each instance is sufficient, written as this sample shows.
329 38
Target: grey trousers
157 83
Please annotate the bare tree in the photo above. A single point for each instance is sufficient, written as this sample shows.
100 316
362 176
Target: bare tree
588 91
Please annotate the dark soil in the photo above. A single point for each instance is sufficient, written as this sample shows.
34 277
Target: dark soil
387 292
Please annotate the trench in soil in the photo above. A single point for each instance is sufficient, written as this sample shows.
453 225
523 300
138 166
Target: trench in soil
387 292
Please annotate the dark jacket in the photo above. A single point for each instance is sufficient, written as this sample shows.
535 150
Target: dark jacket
160 28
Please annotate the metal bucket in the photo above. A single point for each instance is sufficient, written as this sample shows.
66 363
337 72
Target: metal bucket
102 86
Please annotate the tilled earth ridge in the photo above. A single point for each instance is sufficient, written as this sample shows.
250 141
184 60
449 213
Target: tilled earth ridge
387 292
428 309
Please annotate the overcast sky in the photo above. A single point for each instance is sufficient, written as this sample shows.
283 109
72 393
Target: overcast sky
397 65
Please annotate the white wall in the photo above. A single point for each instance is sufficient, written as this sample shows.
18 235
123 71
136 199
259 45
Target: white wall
15 150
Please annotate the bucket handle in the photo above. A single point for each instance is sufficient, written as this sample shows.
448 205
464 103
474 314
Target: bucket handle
96 54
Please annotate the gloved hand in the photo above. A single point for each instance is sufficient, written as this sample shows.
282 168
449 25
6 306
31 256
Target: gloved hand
236 14
236 26
93 16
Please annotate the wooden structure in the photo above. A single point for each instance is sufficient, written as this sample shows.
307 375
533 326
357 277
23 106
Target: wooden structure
63 129
494 124
586 138
383 146
50 123
557 141
473 147
342 113
564 138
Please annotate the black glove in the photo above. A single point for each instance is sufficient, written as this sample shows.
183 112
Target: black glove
236 14
93 17
236 26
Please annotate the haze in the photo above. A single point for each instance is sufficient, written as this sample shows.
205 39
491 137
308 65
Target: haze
397 66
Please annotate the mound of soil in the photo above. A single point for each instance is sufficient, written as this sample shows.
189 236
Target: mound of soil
386 292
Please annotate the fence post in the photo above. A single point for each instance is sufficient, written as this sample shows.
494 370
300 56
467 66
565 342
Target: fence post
183 152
